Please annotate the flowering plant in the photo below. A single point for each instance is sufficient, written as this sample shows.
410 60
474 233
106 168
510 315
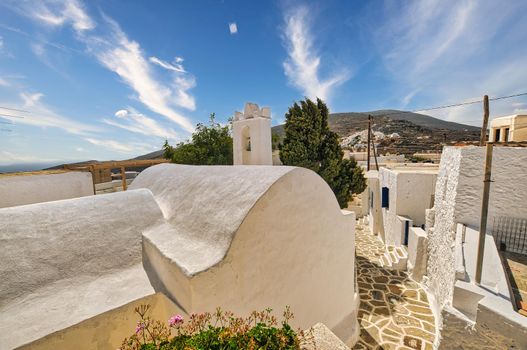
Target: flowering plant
220 330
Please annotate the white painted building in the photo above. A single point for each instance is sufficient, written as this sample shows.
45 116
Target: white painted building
474 315
251 134
243 238
405 194
508 128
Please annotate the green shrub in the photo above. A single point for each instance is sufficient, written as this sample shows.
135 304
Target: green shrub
217 331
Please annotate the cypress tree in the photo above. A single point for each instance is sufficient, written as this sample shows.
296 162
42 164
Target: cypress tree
309 143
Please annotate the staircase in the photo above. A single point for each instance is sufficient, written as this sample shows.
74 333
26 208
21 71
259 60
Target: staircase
394 258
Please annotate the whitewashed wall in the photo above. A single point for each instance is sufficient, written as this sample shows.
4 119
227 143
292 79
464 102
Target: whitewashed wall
29 189
388 179
410 193
458 197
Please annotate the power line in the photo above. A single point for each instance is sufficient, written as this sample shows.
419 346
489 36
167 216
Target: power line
450 105
10 115
14 109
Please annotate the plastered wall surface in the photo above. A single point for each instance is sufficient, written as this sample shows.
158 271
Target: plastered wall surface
29 189
271 244
441 239
388 179
68 261
458 200
243 238
508 190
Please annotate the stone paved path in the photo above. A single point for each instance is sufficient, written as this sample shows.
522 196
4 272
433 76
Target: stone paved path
394 311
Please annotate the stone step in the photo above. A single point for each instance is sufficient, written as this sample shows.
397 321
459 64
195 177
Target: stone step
395 257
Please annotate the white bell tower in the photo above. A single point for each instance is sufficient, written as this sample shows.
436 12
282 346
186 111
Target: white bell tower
251 133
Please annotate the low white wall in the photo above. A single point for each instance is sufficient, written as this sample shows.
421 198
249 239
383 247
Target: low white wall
70 260
508 189
417 255
374 204
29 189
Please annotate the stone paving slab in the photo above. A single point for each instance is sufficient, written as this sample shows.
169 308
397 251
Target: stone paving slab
394 311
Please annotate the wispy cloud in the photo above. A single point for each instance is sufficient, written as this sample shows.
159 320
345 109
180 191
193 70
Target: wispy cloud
233 28
128 148
176 66
133 121
41 115
7 158
302 67
126 58
452 50
121 55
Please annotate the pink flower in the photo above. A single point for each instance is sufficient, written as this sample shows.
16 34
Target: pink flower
175 320
139 328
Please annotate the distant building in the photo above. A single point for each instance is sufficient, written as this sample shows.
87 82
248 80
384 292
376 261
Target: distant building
509 128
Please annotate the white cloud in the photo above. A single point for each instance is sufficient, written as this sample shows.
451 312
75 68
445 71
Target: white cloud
7 158
56 13
122 113
128 148
136 122
452 50
303 63
31 100
176 67
40 115
125 57
4 83
115 51
233 28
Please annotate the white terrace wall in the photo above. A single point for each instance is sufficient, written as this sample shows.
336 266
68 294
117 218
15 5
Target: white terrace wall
458 200
36 188
70 260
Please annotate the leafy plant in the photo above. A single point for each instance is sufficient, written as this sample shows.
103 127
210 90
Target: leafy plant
309 143
210 145
220 330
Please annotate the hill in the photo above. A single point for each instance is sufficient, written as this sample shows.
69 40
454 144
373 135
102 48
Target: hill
396 131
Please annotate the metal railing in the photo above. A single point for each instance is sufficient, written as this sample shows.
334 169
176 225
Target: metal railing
510 234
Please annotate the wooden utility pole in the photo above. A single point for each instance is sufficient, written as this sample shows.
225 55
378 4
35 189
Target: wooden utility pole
369 142
484 211
374 150
483 137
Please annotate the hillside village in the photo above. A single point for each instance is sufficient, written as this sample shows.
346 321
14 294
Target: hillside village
195 175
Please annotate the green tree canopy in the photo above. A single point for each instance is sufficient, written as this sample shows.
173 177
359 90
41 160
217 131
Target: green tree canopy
309 143
210 145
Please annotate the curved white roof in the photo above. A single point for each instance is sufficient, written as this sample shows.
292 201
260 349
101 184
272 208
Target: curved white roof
215 198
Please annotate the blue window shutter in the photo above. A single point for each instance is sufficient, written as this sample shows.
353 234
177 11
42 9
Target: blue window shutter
385 197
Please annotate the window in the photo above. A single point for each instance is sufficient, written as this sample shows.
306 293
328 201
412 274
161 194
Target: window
385 197
506 135
497 135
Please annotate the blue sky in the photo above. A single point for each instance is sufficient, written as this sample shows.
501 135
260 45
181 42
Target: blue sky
112 79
